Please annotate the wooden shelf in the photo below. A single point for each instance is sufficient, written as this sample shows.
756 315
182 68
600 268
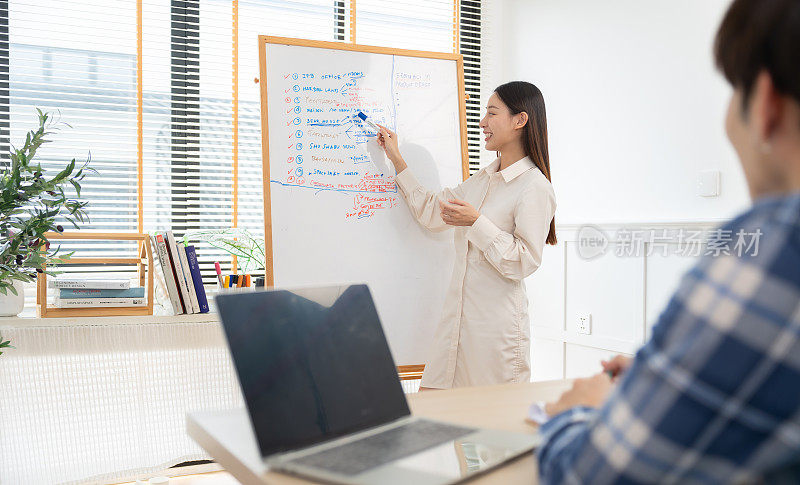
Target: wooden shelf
37 321
144 264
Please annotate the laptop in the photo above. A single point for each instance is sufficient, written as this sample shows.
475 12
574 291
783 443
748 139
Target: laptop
324 397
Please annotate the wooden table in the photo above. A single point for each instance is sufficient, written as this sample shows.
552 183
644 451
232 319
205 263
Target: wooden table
228 438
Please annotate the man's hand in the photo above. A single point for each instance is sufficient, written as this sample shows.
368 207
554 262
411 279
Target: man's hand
617 366
458 213
590 391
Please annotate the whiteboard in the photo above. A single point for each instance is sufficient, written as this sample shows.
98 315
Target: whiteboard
333 211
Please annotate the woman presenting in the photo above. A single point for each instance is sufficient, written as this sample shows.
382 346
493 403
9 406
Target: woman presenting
503 216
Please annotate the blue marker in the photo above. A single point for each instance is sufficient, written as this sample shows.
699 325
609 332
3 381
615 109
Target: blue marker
366 120
375 127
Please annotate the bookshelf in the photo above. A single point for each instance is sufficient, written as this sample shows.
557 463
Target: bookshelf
143 260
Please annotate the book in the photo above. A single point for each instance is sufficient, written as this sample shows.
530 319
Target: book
189 280
135 292
93 283
197 278
169 274
180 276
98 302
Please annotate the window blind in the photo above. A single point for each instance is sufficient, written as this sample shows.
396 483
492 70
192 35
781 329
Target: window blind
426 25
187 120
77 60
317 20
470 47
162 94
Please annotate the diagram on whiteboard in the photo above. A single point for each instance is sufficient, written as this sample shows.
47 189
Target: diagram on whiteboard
327 143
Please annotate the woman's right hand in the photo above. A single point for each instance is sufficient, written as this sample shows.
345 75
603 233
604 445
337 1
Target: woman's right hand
387 139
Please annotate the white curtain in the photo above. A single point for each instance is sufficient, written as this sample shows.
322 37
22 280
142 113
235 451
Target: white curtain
82 403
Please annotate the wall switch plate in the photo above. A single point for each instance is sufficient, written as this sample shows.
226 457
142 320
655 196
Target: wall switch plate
708 183
585 323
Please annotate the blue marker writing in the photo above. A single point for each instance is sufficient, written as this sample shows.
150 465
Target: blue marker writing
366 120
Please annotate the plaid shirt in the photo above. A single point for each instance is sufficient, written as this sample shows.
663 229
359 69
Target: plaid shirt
714 395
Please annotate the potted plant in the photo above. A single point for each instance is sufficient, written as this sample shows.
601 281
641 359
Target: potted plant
30 202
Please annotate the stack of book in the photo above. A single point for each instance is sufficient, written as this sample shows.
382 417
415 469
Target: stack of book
181 274
93 293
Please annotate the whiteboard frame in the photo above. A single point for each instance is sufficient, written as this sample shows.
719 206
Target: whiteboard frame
263 40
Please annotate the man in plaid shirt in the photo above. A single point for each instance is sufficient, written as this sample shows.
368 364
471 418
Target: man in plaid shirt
714 396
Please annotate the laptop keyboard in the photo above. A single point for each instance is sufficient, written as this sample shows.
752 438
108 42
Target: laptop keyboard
382 448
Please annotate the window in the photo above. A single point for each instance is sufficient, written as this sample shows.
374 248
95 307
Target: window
470 47
163 95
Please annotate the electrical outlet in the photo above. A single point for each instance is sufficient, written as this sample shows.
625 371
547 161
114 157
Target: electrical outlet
585 323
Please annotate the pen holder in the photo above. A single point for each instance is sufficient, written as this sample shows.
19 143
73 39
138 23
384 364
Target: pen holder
235 289
256 282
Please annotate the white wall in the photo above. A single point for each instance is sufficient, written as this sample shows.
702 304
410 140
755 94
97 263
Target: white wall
624 295
635 110
492 41
635 106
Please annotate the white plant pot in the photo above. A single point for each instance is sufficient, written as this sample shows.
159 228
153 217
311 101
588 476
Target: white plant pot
11 304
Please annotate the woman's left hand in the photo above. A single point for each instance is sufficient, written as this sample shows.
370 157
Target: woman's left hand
458 213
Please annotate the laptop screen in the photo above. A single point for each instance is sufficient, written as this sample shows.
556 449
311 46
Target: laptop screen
313 364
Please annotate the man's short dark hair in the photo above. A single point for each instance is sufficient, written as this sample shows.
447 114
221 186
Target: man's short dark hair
761 35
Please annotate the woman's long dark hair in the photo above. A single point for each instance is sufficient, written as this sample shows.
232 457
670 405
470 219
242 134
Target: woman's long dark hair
522 96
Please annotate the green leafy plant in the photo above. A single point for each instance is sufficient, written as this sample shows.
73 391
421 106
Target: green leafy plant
4 344
249 251
30 202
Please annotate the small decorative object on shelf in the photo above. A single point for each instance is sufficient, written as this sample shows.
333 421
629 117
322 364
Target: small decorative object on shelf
248 255
100 297
30 203
239 243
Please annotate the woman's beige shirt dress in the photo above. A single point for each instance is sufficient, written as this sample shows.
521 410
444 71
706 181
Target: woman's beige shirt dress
484 334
